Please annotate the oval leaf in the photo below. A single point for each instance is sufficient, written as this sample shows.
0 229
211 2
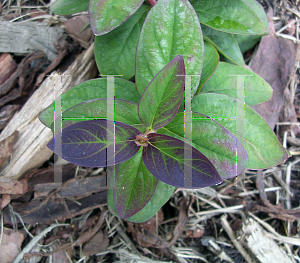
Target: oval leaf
225 43
164 158
210 63
231 16
134 186
85 143
105 15
256 89
213 140
161 195
115 51
170 29
68 7
91 89
263 148
161 99
125 112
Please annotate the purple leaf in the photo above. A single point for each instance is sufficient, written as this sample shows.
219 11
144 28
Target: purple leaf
85 143
166 158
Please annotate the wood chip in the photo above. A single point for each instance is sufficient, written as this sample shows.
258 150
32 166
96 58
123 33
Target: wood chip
263 247
6 146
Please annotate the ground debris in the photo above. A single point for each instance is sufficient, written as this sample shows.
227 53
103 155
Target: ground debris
6 147
262 247
10 246
276 67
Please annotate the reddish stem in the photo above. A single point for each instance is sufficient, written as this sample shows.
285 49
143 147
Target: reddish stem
152 2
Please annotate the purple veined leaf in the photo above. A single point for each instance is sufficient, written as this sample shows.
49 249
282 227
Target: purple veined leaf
213 140
134 186
85 143
161 99
105 15
164 158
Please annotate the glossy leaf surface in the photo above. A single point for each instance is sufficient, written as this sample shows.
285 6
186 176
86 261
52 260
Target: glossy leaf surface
262 146
231 16
134 186
68 7
171 28
210 63
164 158
225 43
91 89
161 195
105 15
124 111
160 101
248 41
213 140
85 143
256 89
115 51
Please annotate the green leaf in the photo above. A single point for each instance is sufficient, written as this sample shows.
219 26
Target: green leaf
225 43
256 89
68 7
161 195
91 89
134 186
124 111
213 140
115 51
231 16
246 42
170 29
105 15
262 146
161 99
259 11
210 63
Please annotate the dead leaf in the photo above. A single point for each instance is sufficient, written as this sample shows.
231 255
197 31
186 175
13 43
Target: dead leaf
0 7
61 256
96 244
7 67
274 61
11 245
74 25
23 76
4 201
6 146
63 48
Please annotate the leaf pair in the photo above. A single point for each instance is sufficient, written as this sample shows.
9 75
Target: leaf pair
162 157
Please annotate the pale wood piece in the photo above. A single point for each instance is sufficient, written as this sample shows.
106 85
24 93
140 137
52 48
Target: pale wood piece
24 38
261 245
30 149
